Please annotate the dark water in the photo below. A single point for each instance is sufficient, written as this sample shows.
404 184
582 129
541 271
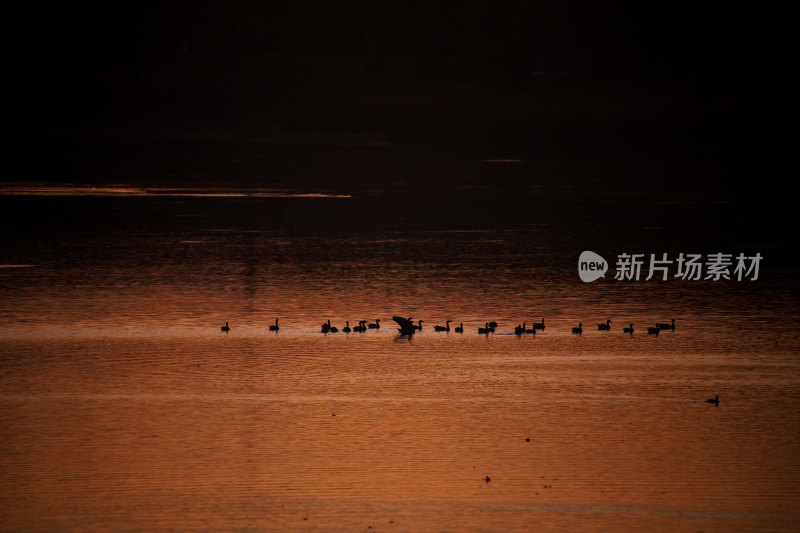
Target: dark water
124 407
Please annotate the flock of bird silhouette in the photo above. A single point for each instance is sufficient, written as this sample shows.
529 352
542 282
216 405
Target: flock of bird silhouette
407 327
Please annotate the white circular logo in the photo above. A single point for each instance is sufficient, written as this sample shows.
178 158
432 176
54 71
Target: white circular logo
591 266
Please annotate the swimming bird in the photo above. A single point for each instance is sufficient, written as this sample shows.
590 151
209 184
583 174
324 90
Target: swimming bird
628 330
275 327
531 331
326 326
519 330
446 327
492 325
346 328
539 325
486 329
714 400
419 326
225 328
605 327
334 329
361 328
653 331
376 325
406 326
667 326
460 329
579 329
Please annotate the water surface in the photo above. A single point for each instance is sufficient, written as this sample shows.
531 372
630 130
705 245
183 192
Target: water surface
124 407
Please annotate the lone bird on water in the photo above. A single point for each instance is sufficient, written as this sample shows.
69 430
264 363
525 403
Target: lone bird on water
714 400
460 328
225 328
653 331
446 327
605 327
346 328
539 325
376 325
579 329
667 325
628 330
275 326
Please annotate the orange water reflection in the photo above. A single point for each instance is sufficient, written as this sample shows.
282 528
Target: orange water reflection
239 431
124 407
127 191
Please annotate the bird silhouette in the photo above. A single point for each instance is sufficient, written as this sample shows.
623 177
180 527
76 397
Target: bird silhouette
579 329
225 328
605 327
275 326
446 327
407 327
486 329
667 325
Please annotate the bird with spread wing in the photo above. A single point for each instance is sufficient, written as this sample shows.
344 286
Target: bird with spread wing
407 327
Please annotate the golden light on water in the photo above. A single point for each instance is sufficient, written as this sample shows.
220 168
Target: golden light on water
123 191
181 179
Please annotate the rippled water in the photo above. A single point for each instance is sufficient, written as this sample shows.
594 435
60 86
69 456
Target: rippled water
124 407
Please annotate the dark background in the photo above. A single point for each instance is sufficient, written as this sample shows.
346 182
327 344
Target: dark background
101 58
665 123
677 98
